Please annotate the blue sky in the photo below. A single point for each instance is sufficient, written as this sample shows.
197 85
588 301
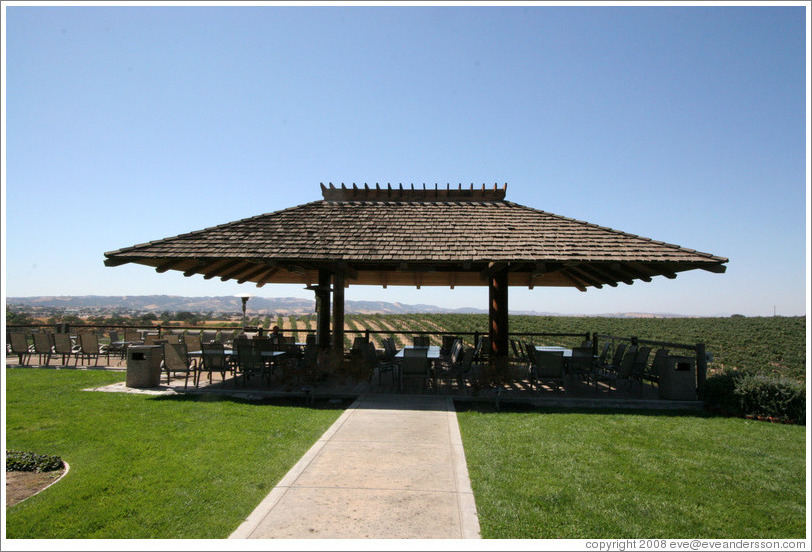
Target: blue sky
684 124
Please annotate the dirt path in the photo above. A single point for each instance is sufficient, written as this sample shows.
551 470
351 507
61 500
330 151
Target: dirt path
20 485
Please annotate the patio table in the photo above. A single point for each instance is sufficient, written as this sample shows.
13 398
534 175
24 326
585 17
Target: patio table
554 349
432 354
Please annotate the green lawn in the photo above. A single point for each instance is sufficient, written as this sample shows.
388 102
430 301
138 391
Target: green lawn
193 467
148 466
615 474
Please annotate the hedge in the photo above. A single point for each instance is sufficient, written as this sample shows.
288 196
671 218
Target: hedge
741 393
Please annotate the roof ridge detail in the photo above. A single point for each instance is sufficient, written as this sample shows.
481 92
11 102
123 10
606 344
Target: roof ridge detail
401 193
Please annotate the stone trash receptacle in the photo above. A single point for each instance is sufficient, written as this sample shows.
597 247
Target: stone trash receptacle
677 379
144 365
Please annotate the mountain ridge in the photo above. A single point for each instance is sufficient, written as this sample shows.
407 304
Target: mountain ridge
262 305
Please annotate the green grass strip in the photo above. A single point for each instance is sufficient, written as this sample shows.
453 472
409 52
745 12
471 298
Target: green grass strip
621 474
146 466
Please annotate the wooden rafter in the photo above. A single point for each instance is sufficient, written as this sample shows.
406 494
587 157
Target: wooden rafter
228 264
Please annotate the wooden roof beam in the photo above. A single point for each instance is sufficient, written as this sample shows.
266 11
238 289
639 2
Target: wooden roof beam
598 275
168 265
575 281
265 277
227 265
585 276
258 269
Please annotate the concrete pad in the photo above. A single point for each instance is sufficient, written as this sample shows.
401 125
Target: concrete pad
408 466
391 467
310 513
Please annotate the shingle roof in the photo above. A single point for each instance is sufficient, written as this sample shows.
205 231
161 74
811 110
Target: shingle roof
411 238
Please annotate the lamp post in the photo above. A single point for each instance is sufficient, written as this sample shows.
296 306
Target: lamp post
244 297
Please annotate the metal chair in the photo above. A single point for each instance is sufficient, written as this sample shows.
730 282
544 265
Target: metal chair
415 365
19 347
247 362
581 364
421 341
213 359
546 367
64 346
387 362
176 361
89 348
43 346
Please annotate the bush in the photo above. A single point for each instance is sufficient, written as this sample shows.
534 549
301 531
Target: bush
745 394
31 462
780 398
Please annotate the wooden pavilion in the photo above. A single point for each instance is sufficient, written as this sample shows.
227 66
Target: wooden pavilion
416 237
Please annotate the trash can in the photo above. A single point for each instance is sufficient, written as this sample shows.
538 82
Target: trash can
144 365
678 378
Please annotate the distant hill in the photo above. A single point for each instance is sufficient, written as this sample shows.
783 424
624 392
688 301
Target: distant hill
219 304
256 305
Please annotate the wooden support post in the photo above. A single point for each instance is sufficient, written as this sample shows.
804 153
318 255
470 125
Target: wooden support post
498 313
338 312
323 310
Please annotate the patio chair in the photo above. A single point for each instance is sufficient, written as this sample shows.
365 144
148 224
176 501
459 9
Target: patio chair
415 365
209 336
359 345
639 367
116 345
192 341
176 361
213 359
151 339
227 338
625 368
247 361
43 346
658 365
581 364
372 360
460 370
387 362
132 336
518 351
609 372
465 370
19 347
483 349
546 367
89 348
64 346
307 369
421 341
448 343
456 350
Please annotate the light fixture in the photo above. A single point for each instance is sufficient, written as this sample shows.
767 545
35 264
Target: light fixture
245 297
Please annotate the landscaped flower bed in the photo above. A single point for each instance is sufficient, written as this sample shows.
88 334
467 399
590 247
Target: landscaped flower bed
32 462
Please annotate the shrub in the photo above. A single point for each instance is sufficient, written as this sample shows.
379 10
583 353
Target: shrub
719 391
772 397
745 394
31 462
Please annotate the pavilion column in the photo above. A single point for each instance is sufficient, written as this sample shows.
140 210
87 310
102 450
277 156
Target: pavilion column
498 313
323 310
338 312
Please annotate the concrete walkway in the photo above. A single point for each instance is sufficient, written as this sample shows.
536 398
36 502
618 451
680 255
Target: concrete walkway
390 467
